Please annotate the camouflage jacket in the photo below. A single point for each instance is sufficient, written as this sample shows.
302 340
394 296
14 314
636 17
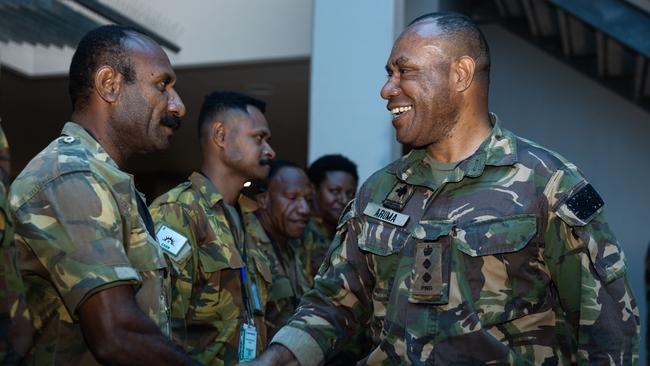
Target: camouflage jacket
15 323
208 305
289 281
78 231
313 247
509 261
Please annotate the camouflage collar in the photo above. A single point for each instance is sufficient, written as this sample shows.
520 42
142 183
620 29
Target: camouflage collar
204 186
498 149
75 130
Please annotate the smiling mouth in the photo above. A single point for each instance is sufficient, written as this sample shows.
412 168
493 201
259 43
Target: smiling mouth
398 111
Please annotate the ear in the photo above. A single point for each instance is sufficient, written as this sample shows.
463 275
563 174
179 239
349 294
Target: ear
108 83
262 199
463 73
218 133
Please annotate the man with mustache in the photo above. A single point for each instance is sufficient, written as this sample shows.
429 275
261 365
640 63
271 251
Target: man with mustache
220 277
477 247
96 280
284 213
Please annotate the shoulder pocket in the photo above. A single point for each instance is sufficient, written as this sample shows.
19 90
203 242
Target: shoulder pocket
495 236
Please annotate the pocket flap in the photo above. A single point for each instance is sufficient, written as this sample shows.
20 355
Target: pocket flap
381 239
430 230
495 236
216 256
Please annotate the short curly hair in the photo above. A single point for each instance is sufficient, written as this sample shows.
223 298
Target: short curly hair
317 171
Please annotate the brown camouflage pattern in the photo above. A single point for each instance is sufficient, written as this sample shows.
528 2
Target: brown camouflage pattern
490 268
313 246
78 231
207 302
15 323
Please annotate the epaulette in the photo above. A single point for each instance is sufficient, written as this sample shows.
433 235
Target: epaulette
71 155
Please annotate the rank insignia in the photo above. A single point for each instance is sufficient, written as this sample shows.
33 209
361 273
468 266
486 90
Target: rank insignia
399 196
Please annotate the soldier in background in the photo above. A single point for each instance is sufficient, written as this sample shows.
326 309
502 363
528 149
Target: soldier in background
335 179
95 278
220 276
477 247
16 330
284 213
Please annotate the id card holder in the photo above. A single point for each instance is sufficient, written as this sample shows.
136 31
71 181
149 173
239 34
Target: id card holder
247 343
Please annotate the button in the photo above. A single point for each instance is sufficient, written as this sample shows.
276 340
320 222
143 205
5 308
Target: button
68 139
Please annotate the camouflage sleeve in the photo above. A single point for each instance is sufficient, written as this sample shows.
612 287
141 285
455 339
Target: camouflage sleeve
587 266
73 225
338 305
15 323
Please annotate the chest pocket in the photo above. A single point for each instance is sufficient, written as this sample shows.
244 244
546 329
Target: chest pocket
498 271
385 243
216 261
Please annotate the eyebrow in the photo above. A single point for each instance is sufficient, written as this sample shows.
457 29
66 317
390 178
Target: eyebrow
398 62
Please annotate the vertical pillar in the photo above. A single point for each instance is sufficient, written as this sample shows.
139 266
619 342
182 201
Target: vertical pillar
351 43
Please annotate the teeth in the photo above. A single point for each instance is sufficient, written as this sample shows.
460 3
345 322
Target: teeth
399 110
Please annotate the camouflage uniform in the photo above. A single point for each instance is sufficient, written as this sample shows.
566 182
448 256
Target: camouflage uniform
508 261
289 281
78 232
313 247
15 323
208 304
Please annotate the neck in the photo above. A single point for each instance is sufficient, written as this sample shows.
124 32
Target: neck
98 128
464 139
228 183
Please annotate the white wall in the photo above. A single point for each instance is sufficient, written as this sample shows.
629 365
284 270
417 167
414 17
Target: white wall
351 43
209 32
541 98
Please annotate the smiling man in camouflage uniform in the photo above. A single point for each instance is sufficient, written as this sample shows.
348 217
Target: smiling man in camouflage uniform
95 278
220 278
478 247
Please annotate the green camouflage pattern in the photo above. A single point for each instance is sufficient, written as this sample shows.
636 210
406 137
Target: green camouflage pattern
289 280
15 323
78 231
313 246
492 267
207 301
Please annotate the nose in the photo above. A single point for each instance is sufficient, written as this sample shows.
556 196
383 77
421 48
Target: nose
269 153
303 206
175 105
390 89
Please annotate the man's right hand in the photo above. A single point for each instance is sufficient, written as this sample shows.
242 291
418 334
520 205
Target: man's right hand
275 355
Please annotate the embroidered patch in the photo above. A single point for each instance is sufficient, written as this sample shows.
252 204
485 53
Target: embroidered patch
170 240
385 214
427 270
585 202
399 196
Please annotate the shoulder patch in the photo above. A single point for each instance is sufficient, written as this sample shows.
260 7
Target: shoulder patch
581 207
585 203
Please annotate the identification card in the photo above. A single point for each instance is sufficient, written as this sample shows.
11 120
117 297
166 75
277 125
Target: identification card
247 343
